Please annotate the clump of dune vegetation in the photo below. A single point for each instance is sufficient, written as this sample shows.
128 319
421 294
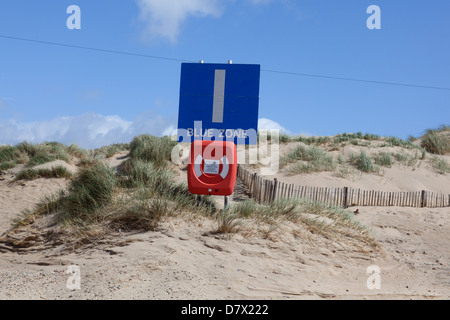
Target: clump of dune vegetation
308 159
309 217
152 149
108 151
31 155
437 141
440 165
135 196
55 172
384 159
362 161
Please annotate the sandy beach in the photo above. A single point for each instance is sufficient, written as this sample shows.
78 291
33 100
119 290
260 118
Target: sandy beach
183 259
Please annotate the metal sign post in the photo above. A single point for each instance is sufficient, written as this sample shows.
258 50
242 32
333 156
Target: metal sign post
226 202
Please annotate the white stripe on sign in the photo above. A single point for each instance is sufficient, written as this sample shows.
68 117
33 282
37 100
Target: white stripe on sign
219 96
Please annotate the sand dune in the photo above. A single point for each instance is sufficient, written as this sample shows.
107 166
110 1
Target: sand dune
399 177
184 259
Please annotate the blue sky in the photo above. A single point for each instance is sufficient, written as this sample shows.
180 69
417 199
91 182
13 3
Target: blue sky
56 93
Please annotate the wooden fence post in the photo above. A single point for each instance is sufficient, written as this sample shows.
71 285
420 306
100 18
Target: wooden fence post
274 190
345 205
252 185
422 199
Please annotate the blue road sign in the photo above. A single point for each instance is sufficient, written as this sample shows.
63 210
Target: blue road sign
219 102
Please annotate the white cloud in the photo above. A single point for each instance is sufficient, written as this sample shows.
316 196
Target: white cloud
267 124
87 130
165 17
92 130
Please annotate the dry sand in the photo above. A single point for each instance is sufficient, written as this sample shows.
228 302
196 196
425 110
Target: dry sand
399 177
183 259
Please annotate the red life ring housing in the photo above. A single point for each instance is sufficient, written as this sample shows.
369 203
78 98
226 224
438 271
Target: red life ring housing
212 168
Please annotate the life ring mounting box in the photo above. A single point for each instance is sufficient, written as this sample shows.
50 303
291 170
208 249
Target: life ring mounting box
212 168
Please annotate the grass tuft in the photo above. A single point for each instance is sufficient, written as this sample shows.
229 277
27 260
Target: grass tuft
440 165
362 162
437 141
7 165
140 213
91 189
228 222
55 172
329 221
384 159
137 172
36 154
313 159
43 153
152 149
109 151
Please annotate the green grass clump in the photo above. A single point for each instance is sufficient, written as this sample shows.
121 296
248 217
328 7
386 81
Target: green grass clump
313 140
397 142
318 218
316 166
100 199
407 159
137 172
333 222
7 153
134 199
440 165
437 141
36 154
91 189
384 159
371 137
152 149
284 138
362 162
159 182
313 159
401 157
10 156
43 152
140 213
142 189
343 137
55 172
7 165
109 151
349 137
248 208
228 222
76 151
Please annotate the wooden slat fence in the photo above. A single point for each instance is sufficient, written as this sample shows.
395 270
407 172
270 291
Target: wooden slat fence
265 191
